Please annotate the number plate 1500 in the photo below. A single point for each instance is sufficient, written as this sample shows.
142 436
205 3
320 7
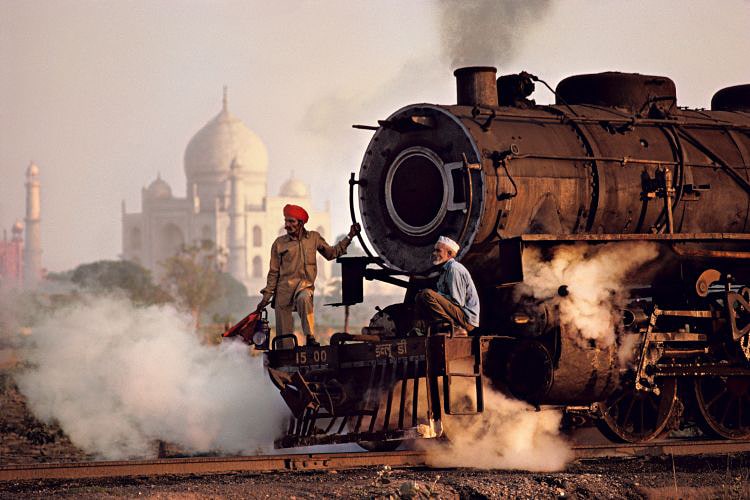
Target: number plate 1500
312 357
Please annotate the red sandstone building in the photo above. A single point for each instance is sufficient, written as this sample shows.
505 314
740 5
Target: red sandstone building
11 257
21 265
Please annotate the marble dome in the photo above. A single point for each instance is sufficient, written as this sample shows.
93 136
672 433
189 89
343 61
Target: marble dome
293 188
222 141
159 189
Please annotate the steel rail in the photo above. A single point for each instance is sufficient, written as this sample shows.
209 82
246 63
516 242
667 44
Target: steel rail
328 461
208 465
676 447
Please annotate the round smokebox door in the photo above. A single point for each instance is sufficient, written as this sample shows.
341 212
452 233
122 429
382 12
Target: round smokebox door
416 188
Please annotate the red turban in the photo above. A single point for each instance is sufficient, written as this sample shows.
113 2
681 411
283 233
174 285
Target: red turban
296 212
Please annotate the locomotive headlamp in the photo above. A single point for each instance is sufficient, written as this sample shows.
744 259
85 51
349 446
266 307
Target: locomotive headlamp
262 333
260 340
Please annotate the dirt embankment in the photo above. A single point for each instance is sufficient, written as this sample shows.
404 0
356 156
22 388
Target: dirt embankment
23 438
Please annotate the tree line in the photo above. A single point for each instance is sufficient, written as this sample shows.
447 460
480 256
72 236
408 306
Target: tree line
192 279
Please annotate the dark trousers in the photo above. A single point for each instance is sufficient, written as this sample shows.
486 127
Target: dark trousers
432 306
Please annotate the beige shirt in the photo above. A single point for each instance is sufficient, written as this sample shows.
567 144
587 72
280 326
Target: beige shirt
293 264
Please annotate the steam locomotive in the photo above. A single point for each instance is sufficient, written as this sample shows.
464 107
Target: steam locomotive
614 162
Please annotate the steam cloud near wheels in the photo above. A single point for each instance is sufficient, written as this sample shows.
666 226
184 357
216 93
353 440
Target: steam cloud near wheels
117 378
597 279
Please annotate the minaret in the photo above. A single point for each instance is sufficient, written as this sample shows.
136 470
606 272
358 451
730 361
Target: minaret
32 252
237 244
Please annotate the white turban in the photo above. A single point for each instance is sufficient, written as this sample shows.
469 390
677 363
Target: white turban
452 245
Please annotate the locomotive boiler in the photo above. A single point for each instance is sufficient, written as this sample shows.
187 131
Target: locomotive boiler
614 163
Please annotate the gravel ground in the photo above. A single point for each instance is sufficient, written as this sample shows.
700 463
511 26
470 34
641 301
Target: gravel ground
715 477
23 439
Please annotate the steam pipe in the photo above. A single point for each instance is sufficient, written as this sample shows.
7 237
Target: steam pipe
469 198
632 317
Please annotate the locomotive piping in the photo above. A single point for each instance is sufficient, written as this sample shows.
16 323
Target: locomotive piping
742 150
715 157
469 198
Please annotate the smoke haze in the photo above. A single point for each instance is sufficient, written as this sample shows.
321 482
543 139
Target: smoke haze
486 32
117 378
596 278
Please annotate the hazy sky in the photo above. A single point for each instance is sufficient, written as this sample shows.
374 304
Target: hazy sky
105 94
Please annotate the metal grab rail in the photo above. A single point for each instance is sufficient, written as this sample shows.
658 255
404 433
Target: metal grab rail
352 182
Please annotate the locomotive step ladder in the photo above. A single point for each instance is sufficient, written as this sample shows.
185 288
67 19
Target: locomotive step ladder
458 349
447 380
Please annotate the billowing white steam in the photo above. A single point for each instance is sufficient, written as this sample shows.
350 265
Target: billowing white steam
117 378
595 277
509 434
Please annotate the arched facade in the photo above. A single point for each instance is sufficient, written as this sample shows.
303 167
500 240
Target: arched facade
257 267
171 241
136 238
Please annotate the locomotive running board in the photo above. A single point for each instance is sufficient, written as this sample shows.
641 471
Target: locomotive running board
386 405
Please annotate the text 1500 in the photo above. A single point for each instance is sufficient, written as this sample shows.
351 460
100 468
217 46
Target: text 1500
312 357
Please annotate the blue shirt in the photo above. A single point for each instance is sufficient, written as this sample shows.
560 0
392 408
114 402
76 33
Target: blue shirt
455 283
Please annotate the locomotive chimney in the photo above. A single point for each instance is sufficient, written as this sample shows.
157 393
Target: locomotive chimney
476 86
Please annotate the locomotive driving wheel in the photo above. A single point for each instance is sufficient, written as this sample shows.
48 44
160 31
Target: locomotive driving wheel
739 320
635 416
724 403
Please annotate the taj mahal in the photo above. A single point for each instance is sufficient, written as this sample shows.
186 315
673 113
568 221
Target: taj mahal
226 202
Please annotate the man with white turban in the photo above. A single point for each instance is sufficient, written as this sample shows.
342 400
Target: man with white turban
456 299
291 275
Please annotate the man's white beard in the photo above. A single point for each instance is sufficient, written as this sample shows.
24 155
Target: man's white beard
438 261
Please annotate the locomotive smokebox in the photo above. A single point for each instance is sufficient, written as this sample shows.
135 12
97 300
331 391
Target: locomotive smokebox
476 86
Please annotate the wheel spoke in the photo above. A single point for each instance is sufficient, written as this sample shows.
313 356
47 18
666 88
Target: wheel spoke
726 412
721 393
626 417
617 400
643 416
739 411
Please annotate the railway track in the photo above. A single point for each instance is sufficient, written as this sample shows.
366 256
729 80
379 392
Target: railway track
323 461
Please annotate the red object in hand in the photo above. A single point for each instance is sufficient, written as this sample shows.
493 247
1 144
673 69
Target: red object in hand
245 327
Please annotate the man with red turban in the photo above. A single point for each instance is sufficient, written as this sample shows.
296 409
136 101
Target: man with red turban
291 276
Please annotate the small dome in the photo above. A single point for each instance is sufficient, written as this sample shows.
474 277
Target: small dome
17 227
224 140
159 189
293 188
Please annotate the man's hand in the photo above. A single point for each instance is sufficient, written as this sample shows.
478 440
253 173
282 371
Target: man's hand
354 231
261 305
